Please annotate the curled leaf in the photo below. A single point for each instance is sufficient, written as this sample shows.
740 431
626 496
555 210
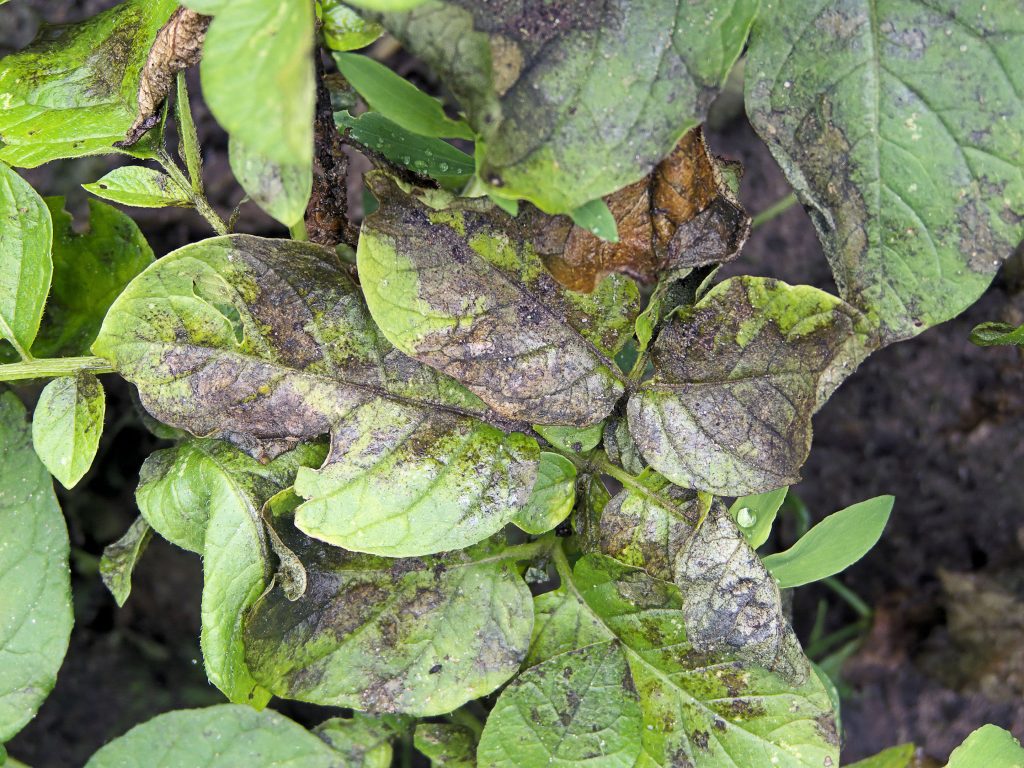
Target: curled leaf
682 215
178 46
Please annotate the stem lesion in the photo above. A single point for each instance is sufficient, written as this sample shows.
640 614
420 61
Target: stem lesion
53 368
195 195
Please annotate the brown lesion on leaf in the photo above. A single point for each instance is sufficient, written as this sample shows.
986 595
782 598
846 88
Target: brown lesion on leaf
682 215
178 46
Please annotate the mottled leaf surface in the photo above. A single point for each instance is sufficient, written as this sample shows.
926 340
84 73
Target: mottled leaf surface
266 342
206 496
460 285
224 736
535 79
35 581
599 723
695 708
93 260
553 496
120 558
446 744
737 379
25 263
418 636
900 123
141 187
280 189
363 741
73 91
67 425
682 215
258 75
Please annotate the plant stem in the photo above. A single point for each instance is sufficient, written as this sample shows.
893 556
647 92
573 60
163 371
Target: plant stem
467 719
849 596
774 210
199 200
54 367
298 231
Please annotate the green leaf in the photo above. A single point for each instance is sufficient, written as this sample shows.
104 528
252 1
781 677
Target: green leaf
572 102
737 378
446 744
441 273
833 545
553 496
224 736
924 106
894 757
696 709
596 218
73 91
92 263
67 426
601 724
141 187
398 100
993 334
188 140
988 746
119 560
35 598
205 496
421 154
265 342
572 439
755 514
258 76
282 190
418 636
25 263
362 740
345 30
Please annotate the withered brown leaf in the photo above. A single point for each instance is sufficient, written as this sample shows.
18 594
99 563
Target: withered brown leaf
681 215
178 45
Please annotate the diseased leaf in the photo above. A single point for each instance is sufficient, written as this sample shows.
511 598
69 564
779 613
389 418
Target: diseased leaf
119 560
833 545
755 514
177 47
35 581
621 449
894 757
572 439
922 103
25 262
988 746
363 741
553 496
398 100
446 744
696 708
600 722
345 30
282 190
224 736
92 263
993 334
459 285
535 80
451 167
73 91
266 342
206 496
737 378
418 636
141 187
67 426
562 624
258 75
682 215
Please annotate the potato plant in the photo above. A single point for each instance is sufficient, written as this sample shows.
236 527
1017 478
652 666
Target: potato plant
489 469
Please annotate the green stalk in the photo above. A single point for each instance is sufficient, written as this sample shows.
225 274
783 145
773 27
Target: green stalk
200 202
774 210
53 368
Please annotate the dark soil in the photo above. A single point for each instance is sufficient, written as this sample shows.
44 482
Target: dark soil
935 421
